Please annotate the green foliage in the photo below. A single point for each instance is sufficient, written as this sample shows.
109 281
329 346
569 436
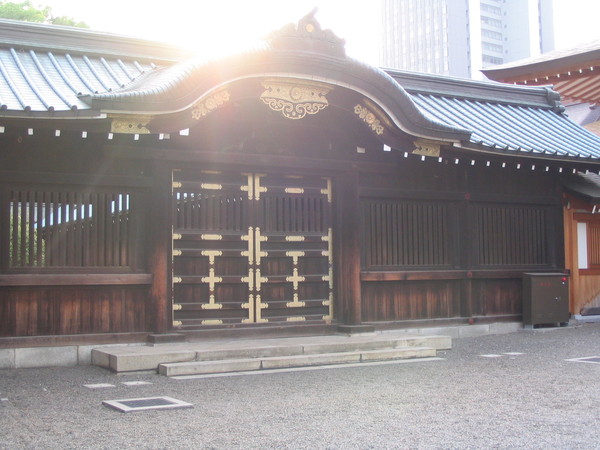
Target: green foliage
67 21
42 14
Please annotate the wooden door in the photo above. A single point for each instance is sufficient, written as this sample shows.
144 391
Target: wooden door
250 248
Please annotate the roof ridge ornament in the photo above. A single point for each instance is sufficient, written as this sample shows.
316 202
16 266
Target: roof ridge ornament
554 100
308 35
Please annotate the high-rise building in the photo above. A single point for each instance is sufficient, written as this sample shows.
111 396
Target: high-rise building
460 37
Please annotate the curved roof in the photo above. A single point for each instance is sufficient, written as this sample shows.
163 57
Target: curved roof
305 52
59 72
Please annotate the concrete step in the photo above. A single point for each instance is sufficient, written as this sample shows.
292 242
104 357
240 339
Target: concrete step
148 358
280 362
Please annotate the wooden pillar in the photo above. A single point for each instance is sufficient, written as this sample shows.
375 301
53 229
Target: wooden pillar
571 258
348 249
159 244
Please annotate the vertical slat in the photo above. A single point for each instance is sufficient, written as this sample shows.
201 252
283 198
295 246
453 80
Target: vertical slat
62 242
22 225
116 223
404 232
429 237
127 234
70 229
101 261
416 248
203 211
14 226
51 230
222 212
38 218
30 229
184 204
85 229
394 234
95 230
48 228
195 212
118 219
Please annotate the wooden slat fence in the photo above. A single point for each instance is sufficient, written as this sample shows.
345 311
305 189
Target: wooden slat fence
407 234
53 228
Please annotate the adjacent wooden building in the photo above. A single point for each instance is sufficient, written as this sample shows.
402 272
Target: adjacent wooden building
289 187
574 74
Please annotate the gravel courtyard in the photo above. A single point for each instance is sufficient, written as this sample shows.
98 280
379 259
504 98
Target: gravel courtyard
510 391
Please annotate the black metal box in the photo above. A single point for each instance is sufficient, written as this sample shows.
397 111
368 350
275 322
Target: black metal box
545 298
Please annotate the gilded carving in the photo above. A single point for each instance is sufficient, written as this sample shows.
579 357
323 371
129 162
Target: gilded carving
295 99
292 190
131 125
369 118
426 148
209 104
327 191
211 279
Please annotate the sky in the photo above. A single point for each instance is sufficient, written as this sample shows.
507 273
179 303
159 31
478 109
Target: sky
214 27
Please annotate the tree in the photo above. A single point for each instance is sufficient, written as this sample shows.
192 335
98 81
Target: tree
42 14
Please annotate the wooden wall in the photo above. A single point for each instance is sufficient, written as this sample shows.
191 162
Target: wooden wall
443 241
414 240
72 237
47 310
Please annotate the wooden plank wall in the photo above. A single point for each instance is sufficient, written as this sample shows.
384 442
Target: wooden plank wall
61 310
443 242
410 300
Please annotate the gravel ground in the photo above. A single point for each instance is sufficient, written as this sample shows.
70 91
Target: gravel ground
534 399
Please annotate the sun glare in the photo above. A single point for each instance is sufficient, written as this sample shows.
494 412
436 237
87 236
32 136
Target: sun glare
217 28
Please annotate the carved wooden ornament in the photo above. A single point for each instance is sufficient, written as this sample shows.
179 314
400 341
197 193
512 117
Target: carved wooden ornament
294 99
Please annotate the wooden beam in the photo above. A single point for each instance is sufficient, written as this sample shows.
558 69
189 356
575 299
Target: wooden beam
71 178
75 279
426 275
236 161
413 275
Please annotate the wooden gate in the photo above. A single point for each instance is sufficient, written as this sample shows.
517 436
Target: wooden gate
251 248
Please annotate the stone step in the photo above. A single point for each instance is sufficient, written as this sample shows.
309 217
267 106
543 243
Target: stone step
147 358
281 362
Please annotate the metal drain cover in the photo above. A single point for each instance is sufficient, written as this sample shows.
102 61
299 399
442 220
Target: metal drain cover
587 359
145 404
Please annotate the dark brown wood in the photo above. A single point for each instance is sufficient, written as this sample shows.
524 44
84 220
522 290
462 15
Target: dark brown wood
348 249
84 279
62 310
496 297
410 300
413 275
250 248
415 240
408 234
158 207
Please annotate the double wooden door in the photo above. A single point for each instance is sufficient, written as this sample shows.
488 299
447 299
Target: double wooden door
251 248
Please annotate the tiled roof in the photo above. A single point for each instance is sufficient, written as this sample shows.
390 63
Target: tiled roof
513 128
50 72
502 118
45 69
38 81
